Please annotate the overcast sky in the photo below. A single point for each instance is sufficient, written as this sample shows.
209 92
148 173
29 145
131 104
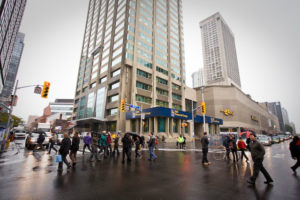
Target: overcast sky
266 36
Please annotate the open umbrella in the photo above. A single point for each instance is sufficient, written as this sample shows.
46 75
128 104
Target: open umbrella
134 135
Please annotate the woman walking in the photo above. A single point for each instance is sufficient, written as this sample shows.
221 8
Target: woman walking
74 148
242 147
64 151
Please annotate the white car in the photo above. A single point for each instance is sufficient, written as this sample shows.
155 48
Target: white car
20 134
31 140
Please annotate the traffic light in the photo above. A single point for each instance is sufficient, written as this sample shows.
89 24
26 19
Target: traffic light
45 90
122 106
203 111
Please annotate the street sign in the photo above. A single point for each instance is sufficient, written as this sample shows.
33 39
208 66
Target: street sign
37 90
127 108
143 116
133 106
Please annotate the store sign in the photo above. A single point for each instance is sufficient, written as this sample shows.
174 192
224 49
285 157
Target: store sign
227 112
254 118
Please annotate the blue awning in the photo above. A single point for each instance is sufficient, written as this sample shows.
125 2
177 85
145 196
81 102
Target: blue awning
172 113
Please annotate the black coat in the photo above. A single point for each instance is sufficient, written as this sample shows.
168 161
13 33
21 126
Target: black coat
295 148
257 150
127 142
65 146
75 144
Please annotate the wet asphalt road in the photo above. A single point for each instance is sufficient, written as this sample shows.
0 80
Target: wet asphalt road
174 175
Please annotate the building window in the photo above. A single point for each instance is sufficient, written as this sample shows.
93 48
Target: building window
176 106
162 81
144 63
113 98
143 74
162 103
143 86
162 92
114 85
176 87
102 80
90 105
176 96
143 99
116 72
100 102
161 70
113 111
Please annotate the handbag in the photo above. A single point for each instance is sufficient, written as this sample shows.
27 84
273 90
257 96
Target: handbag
58 158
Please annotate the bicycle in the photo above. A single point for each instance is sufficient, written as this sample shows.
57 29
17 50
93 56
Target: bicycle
219 153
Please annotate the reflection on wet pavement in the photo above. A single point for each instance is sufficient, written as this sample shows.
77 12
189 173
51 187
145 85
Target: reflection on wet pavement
174 175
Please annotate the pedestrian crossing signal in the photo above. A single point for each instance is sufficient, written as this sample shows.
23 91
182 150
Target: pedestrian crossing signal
122 106
45 90
203 111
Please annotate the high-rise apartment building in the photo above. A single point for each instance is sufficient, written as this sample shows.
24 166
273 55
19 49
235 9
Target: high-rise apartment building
198 78
219 52
132 50
11 12
13 66
275 108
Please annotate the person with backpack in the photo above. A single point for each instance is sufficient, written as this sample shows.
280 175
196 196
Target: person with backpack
64 151
102 143
295 152
242 148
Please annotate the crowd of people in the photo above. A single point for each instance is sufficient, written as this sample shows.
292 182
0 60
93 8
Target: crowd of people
104 145
257 151
100 146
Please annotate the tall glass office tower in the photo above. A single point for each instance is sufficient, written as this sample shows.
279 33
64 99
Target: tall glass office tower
132 50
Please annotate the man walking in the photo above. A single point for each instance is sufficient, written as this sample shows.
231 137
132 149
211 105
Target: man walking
295 152
204 143
151 145
87 142
258 153
127 145
52 142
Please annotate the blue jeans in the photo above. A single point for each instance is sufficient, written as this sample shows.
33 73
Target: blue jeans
152 155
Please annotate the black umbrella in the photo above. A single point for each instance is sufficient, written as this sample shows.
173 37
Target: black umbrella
134 135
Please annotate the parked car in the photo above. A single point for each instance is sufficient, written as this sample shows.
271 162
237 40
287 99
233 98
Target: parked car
263 139
282 138
275 139
31 140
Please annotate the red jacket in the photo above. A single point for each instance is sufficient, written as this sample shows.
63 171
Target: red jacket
241 144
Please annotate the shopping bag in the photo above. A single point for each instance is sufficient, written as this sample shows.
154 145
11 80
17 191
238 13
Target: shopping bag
58 158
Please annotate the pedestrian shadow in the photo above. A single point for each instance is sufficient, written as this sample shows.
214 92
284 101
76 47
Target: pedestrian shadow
262 194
